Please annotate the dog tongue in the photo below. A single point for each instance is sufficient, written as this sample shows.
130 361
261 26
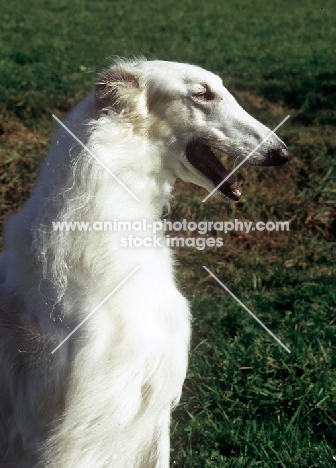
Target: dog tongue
212 161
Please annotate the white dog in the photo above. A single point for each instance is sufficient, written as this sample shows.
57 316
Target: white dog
103 399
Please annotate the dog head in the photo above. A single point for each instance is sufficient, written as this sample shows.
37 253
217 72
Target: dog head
188 112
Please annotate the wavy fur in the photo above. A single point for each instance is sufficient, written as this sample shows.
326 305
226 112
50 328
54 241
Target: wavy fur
104 398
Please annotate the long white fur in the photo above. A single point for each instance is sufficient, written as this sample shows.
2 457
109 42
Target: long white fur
104 398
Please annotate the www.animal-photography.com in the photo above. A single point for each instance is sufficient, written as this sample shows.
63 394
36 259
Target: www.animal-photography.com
167 222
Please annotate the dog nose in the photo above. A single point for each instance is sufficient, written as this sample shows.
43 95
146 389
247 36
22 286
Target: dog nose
279 156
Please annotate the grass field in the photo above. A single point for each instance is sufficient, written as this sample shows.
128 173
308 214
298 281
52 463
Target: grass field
246 402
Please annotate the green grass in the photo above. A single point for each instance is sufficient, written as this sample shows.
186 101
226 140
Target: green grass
49 49
246 402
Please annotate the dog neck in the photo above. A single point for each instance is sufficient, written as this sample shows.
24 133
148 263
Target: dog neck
74 187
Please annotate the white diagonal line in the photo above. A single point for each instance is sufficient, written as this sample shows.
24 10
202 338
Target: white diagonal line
247 310
97 159
94 310
245 159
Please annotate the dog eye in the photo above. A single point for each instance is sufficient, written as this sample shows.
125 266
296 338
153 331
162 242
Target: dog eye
205 95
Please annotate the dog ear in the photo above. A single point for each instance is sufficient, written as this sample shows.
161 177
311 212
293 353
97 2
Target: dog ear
116 88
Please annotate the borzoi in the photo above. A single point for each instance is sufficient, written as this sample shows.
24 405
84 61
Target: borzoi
104 398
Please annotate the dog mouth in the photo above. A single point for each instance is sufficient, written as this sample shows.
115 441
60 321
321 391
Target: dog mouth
203 159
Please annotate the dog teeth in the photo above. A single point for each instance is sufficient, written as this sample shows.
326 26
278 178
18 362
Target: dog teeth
217 152
237 192
236 188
